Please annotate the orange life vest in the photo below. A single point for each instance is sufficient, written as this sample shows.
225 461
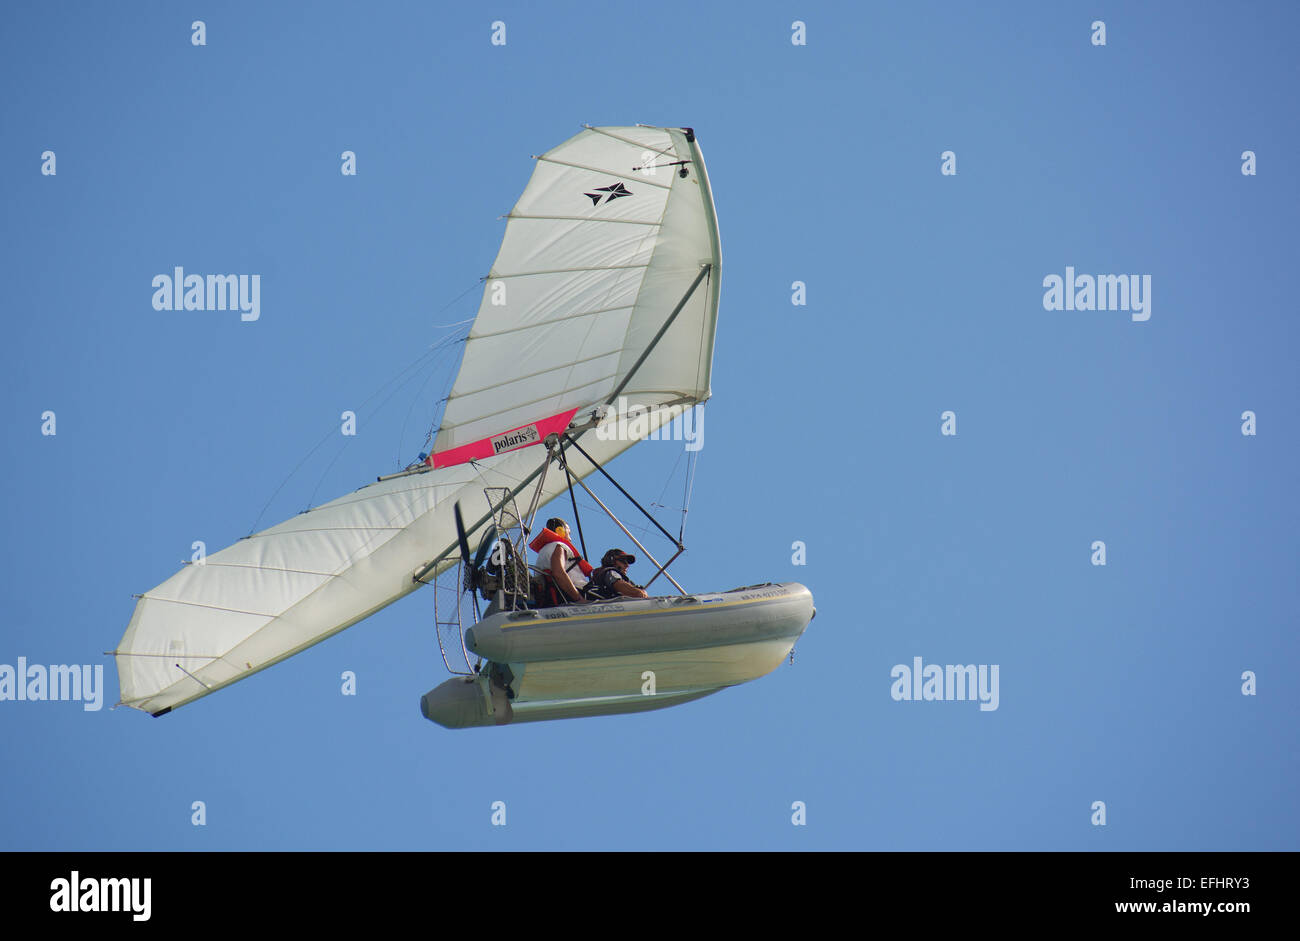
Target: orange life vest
547 536
551 595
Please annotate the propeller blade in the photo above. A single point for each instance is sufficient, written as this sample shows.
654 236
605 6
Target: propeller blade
483 547
460 535
467 567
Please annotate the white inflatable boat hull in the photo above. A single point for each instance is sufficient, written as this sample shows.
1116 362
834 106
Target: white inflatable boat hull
620 656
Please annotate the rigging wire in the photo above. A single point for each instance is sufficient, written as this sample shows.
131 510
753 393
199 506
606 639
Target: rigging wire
432 351
428 438
440 347
692 464
401 438
668 482
436 421
455 300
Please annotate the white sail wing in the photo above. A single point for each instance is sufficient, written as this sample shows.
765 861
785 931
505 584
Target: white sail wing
586 302
597 253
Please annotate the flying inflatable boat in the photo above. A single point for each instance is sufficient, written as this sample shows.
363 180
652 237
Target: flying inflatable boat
604 293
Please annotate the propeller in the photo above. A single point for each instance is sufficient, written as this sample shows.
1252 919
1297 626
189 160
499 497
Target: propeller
460 535
472 567
471 570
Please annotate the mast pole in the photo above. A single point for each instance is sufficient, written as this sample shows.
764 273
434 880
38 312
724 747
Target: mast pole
573 501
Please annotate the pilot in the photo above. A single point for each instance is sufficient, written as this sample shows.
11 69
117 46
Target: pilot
610 581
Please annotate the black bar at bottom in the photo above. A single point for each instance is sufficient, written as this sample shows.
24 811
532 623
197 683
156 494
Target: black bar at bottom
977 891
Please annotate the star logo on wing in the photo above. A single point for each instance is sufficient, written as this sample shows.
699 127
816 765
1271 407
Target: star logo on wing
607 193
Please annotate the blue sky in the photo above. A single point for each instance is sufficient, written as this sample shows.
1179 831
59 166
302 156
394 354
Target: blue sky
1118 683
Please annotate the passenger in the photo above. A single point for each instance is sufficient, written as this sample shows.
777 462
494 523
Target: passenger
610 581
562 565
